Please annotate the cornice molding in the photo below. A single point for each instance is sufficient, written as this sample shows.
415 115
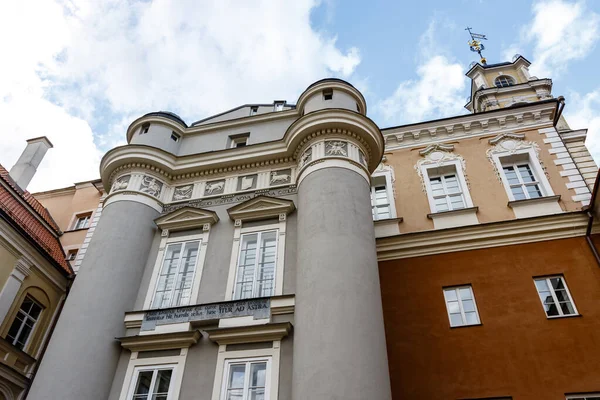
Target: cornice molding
503 136
261 207
504 233
160 341
436 146
250 333
532 116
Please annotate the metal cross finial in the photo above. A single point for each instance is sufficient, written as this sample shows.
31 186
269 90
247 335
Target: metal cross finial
476 45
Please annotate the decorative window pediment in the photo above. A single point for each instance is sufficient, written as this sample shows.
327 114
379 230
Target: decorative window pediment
186 218
505 136
436 147
261 207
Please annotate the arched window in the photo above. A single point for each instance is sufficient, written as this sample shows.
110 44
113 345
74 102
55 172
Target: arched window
504 81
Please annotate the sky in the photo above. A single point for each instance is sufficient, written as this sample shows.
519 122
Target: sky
80 71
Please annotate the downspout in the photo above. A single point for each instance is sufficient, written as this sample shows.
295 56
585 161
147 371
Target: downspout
561 107
588 237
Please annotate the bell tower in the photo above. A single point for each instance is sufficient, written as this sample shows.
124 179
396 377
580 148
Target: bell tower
505 85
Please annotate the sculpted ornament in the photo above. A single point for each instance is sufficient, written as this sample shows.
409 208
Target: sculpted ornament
151 186
183 192
281 177
306 157
247 182
121 183
336 148
215 187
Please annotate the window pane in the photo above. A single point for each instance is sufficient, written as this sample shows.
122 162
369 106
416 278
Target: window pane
166 280
511 175
567 308
450 295
534 191
453 307
258 374
14 328
456 320
472 318
245 273
441 204
142 386
257 394
469 305
526 173
183 289
163 381
266 267
541 285
457 202
557 283
237 373
465 293
518 193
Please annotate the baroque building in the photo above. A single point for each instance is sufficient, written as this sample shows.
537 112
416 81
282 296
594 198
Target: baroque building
300 251
34 274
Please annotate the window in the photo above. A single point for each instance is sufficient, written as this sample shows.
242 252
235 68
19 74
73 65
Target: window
461 306
380 201
446 192
239 142
278 105
152 383
71 255
246 380
253 110
327 94
504 81
145 128
82 221
256 266
24 322
591 396
175 136
555 296
174 287
521 180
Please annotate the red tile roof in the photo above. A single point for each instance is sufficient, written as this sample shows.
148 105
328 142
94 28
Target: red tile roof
29 220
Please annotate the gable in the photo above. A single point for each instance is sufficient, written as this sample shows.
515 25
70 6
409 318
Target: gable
186 218
261 207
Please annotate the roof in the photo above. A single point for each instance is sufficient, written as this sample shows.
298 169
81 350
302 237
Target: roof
29 220
168 114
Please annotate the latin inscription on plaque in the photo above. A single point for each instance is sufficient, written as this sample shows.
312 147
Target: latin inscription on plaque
257 308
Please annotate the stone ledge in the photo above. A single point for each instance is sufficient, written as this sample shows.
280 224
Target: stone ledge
250 334
165 341
454 218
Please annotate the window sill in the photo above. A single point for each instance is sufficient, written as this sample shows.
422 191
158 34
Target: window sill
454 218
564 316
466 326
535 207
387 227
77 230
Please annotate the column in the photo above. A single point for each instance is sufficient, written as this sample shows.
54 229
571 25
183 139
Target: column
82 355
339 338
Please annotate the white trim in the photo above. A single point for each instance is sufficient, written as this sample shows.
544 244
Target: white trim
164 242
456 290
235 252
135 364
387 174
75 218
583 396
273 354
533 162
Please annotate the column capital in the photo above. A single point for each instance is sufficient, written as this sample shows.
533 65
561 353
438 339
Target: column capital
22 269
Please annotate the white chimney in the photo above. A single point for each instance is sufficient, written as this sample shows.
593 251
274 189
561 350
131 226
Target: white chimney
27 164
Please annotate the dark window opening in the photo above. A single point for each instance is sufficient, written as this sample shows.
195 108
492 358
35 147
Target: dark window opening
327 94
145 128
174 136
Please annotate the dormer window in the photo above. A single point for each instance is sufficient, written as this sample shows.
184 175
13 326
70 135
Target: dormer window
328 94
145 128
504 81
278 105
175 137
253 110
236 141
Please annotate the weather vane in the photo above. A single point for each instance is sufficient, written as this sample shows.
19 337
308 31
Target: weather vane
476 45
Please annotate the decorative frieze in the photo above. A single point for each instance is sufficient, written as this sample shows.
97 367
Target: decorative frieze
151 186
281 177
214 187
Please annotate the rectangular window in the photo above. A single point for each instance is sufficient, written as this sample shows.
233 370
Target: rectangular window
174 286
591 396
278 105
380 200
522 181
253 110
555 296
461 306
24 322
71 255
152 383
446 192
82 221
246 380
327 94
255 276
175 136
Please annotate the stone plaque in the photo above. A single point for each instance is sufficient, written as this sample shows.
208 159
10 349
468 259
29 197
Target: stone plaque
183 192
257 308
336 148
214 187
151 186
280 177
247 182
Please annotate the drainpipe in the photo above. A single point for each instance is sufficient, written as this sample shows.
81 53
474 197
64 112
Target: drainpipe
561 107
588 237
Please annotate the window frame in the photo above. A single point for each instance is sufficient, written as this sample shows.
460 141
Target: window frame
387 175
447 195
72 252
256 262
457 170
253 110
83 215
246 361
154 369
280 227
512 81
554 298
522 184
582 396
460 305
175 136
534 164
28 317
166 240
278 106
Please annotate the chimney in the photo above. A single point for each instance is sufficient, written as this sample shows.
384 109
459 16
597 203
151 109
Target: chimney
27 164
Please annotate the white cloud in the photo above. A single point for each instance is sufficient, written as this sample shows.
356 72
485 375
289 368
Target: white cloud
439 90
560 32
79 64
582 111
